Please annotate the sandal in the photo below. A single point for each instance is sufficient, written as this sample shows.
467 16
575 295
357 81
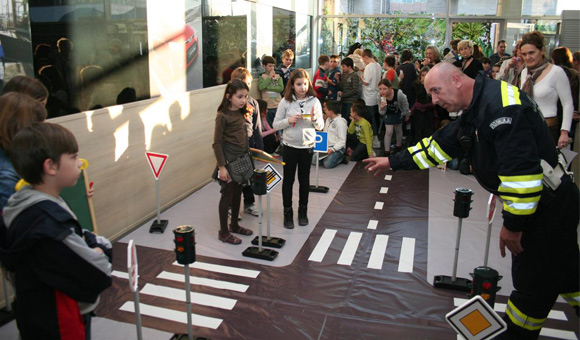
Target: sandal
241 230
229 238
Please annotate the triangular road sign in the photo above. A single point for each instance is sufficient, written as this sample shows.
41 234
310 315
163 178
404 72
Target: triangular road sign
156 161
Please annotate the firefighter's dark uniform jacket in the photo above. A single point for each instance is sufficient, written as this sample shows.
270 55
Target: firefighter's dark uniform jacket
505 137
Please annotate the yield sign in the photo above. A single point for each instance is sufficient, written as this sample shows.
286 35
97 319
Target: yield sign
156 161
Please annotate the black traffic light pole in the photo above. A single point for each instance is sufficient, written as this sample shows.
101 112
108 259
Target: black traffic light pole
461 210
185 253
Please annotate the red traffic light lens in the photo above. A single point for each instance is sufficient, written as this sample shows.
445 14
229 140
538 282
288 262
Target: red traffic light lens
486 285
179 239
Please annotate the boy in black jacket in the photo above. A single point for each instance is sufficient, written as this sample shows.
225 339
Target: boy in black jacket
57 276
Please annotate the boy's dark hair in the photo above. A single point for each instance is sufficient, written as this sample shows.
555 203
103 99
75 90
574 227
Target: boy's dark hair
268 60
233 86
333 105
347 62
406 55
296 74
323 59
390 60
360 110
262 105
359 101
334 56
485 60
35 144
367 53
498 64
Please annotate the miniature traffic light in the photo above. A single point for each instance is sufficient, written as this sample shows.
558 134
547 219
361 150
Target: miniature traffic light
184 244
485 283
259 182
462 202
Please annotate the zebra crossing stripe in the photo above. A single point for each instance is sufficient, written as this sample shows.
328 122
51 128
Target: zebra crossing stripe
407 255
322 245
222 269
373 224
378 252
500 308
172 315
237 287
558 334
349 250
388 177
379 205
384 190
196 298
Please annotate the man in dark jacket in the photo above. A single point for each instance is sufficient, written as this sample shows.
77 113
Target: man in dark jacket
508 143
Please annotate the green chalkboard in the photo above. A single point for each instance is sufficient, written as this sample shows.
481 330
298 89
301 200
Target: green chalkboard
81 205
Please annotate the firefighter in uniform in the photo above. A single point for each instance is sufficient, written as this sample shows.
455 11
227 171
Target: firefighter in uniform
512 154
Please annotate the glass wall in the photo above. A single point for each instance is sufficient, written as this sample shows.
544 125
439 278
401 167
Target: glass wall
96 53
15 43
374 7
224 41
381 35
87 53
292 31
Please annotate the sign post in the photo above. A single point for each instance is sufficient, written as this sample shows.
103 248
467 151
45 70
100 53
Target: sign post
273 178
133 270
157 162
490 215
321 145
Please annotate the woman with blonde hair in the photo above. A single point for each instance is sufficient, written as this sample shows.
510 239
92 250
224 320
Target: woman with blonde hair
468 64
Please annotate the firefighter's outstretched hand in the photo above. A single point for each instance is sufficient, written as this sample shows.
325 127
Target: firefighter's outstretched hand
377 164
511 240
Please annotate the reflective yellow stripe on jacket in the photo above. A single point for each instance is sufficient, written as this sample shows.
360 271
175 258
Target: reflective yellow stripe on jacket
573 299
510 95
522 320
520 194
428 153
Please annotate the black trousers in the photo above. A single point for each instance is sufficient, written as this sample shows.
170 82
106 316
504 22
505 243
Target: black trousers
301 159
548 266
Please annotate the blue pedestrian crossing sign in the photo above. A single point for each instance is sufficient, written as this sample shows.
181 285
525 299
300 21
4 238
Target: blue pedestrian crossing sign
321 143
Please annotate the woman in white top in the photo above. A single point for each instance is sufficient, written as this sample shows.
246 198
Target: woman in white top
546 83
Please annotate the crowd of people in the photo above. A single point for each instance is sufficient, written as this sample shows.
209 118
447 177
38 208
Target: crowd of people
370 110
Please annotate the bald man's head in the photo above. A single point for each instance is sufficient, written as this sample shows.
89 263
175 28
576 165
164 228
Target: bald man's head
449 87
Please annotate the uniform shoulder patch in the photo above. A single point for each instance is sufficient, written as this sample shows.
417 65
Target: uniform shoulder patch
500 121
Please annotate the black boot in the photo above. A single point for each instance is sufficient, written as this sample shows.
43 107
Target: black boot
302 218
288 218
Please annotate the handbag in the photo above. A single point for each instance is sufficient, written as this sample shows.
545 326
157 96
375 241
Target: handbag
241 169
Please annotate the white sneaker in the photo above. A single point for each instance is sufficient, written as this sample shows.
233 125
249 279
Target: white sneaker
252 210
376 143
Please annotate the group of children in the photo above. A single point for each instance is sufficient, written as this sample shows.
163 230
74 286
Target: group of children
56 268
288 122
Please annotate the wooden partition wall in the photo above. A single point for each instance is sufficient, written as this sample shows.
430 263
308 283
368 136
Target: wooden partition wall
114 141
